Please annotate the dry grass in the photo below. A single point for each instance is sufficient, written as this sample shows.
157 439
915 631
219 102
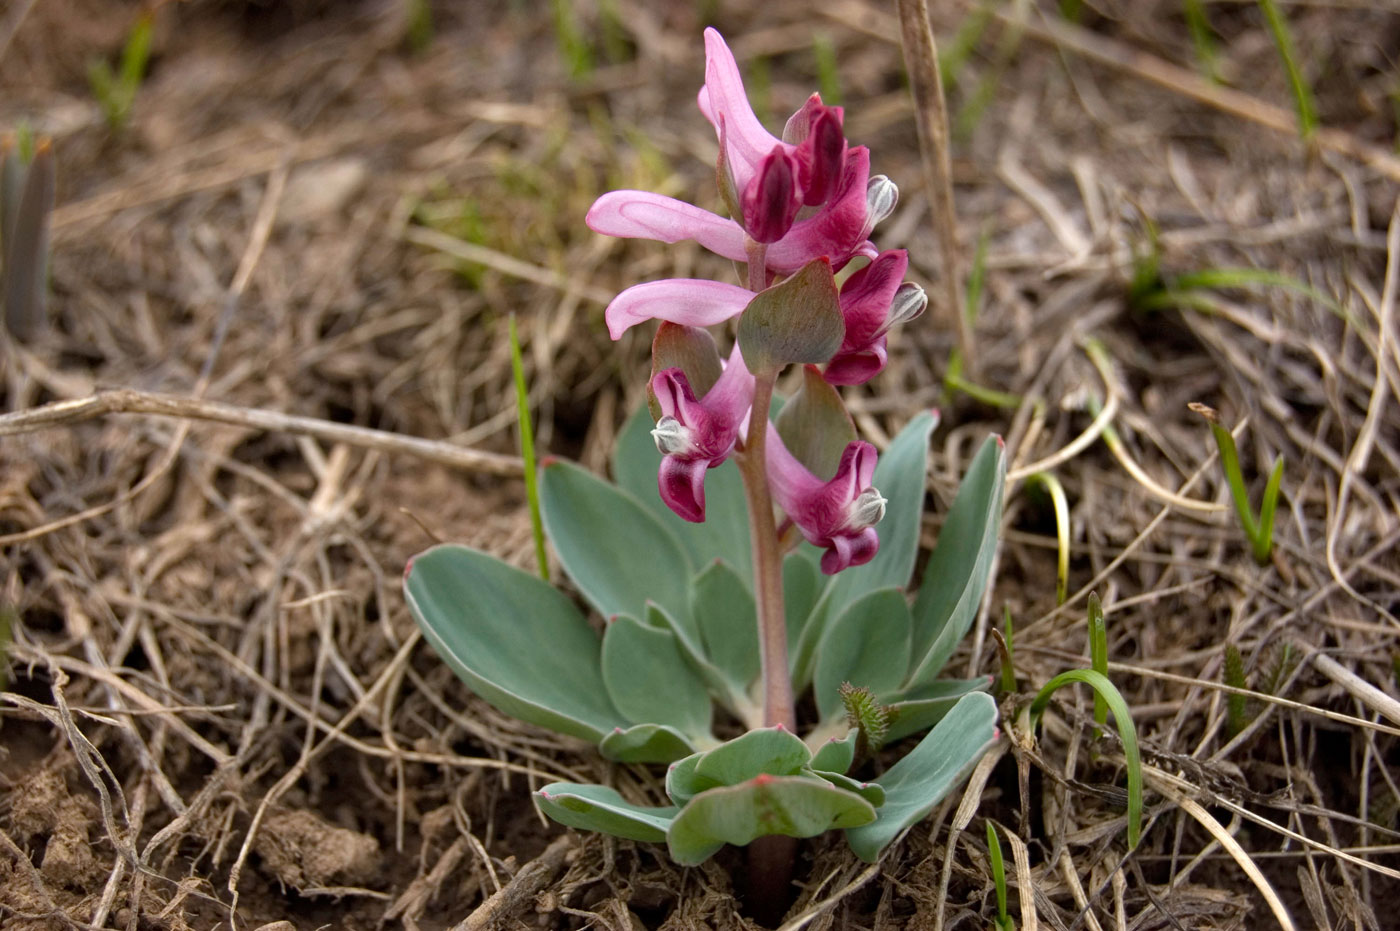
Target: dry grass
218 708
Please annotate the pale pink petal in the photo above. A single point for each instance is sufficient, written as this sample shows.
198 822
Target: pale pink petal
731 397
687 301
724 95
643 215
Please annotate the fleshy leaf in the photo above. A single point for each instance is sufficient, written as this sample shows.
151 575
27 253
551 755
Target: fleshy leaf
649 680
726 619
725 532
797 806
872 792
836 754
598 808
515 640
796 320
803 583
774 751
688 641
615 550
868 645
815 425
929 703
900 477
645 743
956 575
926 774
682 782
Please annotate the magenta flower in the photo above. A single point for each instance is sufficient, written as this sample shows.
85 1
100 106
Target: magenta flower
697 435
838 514
825 175
873 300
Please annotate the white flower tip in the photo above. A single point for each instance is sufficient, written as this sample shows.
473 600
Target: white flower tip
881 196
867 510
672 437
909 302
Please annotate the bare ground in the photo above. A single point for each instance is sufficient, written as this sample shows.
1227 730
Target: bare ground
218 709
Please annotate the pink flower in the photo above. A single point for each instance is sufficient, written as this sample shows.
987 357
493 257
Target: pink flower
838 514
697 435
873 300
839 230
826 176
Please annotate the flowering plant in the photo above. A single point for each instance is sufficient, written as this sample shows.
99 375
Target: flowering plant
709 599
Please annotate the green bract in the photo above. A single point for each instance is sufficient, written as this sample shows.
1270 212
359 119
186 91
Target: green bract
679 638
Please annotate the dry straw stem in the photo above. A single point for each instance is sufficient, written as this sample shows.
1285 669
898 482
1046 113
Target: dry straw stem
128 401
931 118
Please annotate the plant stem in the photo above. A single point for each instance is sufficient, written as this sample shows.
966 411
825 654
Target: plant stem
767 564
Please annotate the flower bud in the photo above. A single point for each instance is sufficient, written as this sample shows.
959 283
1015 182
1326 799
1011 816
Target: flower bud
772 198
881 196
909 302
821 157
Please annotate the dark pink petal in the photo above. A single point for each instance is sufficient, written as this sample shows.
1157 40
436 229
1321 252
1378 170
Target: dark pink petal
822 155
643 215
687 301
846 552
866 298
681 483
837 230
772 199
857 367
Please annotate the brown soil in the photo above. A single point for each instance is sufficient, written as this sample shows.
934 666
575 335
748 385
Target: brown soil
218 713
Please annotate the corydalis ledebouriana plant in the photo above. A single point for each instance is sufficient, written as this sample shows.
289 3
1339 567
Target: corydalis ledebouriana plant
710 602
805 198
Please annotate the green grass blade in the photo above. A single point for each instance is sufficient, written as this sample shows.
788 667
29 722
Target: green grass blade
1202 38
1236 705
1127 733
1230 462
1056 491
1302 93
1264 540
135 56
1003 921
1098 658
828 78
527 450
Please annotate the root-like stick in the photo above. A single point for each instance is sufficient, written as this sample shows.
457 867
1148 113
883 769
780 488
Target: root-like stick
931 119
532 878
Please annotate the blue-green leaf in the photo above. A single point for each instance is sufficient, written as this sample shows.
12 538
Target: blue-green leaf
613 548
956 576
929 772
726 619
649 680
872 792
725 532
836 754
900 477
926 706
868 645
598 808
775 751
646 743
517 642
798 806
